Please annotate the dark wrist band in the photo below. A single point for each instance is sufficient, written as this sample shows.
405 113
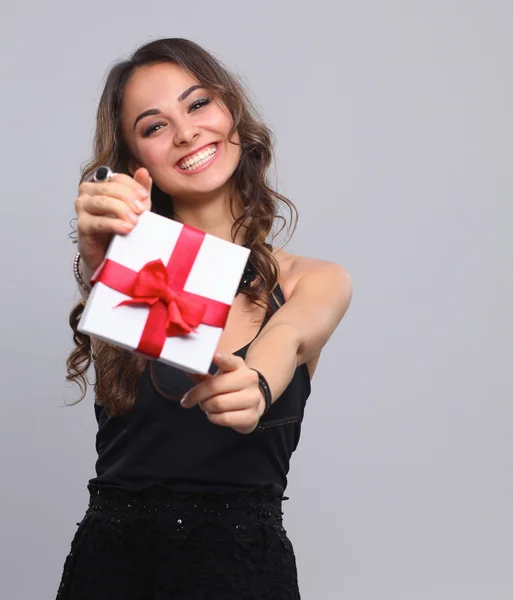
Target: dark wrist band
266 390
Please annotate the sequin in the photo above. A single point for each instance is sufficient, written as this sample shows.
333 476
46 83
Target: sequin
186 545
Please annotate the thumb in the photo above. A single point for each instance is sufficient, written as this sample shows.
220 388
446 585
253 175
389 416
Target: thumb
228 362
143 178
198 378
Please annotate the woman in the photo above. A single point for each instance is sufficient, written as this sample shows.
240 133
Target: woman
187 498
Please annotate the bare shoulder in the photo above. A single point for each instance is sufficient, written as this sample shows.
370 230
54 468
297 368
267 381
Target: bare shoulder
293 268
315 281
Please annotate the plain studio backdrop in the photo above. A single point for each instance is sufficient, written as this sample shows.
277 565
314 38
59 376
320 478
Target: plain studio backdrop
394 127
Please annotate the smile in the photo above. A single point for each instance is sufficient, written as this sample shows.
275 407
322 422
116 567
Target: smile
200 159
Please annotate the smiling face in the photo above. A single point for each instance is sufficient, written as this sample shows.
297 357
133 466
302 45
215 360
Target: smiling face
179 132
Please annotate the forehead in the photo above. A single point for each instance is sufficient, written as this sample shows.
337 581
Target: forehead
155 86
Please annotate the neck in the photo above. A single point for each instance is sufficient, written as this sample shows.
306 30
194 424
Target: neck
211 215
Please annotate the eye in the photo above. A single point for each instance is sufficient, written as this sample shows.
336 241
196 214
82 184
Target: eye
198 104
153 127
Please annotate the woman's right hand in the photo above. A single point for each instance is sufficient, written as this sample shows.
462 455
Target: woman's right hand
108 208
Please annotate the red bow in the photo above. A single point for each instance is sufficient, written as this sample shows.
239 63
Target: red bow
184 313
173 311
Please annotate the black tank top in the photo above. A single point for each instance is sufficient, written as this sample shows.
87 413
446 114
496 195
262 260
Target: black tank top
161 443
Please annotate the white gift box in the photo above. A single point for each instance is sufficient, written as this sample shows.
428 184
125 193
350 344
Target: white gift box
215 275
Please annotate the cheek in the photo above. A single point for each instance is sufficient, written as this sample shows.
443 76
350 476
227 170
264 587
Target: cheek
221 119
221 122
234 153
152 154
234 148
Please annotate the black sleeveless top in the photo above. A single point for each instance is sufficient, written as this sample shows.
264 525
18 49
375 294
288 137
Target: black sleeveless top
159 442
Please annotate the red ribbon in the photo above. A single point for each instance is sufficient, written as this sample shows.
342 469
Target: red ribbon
173 311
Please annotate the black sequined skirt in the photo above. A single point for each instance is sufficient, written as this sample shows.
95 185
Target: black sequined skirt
159 544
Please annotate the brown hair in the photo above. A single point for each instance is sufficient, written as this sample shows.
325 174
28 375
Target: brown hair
118 371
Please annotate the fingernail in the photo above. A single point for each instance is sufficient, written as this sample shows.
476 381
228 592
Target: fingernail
139 205
143 194
183 401
132 217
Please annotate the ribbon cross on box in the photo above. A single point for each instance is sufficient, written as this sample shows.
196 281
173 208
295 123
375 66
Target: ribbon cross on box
173 311
165 290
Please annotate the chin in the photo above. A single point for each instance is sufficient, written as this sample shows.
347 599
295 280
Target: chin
206 184
203 191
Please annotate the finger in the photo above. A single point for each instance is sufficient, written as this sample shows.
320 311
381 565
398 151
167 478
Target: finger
240 400
242 421
228 362
197 378
142 177
131 183
224 383
108 206
134 198
90 225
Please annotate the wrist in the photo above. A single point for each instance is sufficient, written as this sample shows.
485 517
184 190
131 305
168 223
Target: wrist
274 352
82 275
85 271
262 406
265 391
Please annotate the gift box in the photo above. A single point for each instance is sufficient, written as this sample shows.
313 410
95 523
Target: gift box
165 290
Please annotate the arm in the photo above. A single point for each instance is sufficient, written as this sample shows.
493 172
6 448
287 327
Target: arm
299 330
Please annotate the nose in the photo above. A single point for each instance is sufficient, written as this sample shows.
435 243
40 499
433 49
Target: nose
185 133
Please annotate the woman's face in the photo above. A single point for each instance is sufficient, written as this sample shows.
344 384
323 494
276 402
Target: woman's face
178 131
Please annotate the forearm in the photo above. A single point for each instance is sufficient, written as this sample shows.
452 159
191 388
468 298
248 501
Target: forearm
275 354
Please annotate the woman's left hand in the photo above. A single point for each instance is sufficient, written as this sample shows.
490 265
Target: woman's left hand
231 397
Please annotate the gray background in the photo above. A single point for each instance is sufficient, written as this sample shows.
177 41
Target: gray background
395 140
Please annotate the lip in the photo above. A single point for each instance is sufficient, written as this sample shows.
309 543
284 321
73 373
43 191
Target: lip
204 166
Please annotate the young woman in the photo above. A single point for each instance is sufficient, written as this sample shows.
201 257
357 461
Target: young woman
187 499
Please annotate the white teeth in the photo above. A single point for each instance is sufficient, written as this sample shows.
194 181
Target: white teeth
198 159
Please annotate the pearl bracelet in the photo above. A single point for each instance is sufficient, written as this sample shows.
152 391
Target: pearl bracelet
78 276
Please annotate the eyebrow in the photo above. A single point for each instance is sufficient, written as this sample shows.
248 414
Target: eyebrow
156 111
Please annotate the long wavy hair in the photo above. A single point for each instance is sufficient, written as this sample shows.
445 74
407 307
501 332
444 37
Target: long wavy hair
117 372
